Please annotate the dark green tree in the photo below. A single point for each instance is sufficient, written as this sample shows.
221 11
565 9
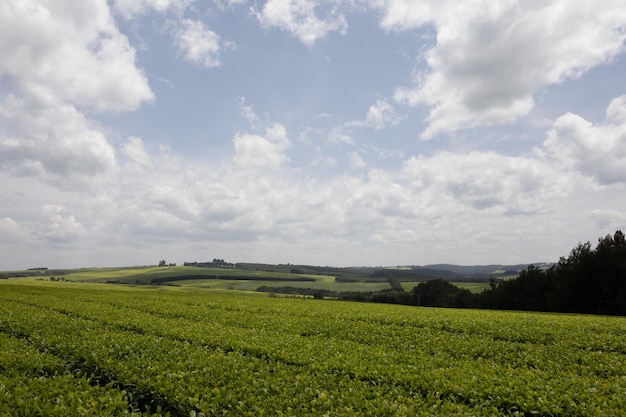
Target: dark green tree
440 293
587 281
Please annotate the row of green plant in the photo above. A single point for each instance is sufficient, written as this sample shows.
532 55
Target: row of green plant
38 383
159 352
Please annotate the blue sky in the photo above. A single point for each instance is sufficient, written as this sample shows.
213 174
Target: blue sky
356 132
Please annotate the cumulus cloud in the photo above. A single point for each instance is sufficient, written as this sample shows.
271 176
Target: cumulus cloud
58 225
254 151
133 8
60 68
58 144
196 43
12 232
441 199
135 151
608 219
200 45
62 59
58 51
598 151
300 18
380 115
489 181
489 59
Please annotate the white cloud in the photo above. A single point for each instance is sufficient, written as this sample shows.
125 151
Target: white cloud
56 51
438 203
222 4
196 43
489 181
380 115
62 58
383 153
200 45
247 112
489 59
138 158
608 219
598 151
12 232
58 225
57 144
138 202
133 8
356 162
339 135
262 152
299 17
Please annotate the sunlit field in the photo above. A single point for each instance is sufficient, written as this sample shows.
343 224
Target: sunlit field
143 275
94 349
230 279
214 278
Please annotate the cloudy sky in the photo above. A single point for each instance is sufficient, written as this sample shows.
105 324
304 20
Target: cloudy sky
347 132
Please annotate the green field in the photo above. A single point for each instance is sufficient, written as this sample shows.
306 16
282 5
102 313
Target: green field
92 349
219 278
243 285
144 275
474 287
232 279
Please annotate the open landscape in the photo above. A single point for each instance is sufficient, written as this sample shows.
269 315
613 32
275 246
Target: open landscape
249 277
222 339
322 208
94 349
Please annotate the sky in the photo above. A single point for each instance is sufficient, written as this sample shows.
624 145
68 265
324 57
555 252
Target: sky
344 133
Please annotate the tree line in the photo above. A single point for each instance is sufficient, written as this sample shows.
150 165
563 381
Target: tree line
591 281
587 281
216 263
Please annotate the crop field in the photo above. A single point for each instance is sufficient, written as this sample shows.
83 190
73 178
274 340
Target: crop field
93 349
249 285
144 275
474 287
242 279
220 278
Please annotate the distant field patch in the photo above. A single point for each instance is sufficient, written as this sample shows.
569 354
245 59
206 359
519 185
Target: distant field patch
179 274
474 287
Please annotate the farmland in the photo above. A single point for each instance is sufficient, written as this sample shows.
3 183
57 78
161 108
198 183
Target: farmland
248 279
93 349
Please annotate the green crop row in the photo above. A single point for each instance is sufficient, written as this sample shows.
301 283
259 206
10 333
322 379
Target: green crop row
34 383
209 354
183 378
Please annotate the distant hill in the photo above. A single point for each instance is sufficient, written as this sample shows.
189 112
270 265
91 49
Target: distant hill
415 273
450 272
483 270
